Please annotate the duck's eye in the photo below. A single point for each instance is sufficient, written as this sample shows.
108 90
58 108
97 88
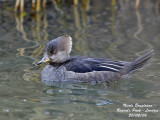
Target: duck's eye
54 52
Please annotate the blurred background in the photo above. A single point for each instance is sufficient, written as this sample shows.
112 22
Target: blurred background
116 29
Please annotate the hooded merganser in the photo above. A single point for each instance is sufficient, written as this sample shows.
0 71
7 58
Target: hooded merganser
62 67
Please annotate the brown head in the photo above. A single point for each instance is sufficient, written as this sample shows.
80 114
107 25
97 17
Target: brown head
57 50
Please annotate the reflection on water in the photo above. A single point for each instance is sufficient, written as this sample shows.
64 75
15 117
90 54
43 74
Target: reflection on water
113 29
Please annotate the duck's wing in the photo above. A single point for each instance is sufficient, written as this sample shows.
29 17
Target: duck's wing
83 65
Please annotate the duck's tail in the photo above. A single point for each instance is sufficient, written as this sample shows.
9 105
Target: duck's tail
142 60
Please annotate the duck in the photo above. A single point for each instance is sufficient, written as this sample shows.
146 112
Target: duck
63 67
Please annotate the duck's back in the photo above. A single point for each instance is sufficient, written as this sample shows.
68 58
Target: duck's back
82 64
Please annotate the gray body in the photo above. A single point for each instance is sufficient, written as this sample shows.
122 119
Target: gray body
62 67
50 73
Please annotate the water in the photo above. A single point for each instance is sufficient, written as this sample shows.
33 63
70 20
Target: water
100 29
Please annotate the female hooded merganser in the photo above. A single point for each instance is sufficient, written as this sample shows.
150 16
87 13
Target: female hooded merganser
62 67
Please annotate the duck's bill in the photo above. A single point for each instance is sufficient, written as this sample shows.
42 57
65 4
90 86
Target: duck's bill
44 59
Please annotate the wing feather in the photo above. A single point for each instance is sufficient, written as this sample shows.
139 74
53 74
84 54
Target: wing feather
82 65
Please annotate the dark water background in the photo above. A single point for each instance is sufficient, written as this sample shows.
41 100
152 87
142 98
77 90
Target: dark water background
102 28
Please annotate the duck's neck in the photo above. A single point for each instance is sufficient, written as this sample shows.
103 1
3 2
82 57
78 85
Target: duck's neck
57 64
60 59
64 58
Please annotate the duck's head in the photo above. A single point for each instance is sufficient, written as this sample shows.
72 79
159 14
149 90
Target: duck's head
57 50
